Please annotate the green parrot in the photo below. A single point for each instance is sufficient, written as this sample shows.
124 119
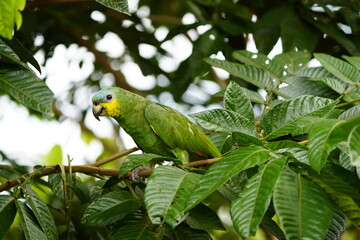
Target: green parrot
155 128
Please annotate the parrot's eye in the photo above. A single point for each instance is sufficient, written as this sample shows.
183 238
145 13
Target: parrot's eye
109 97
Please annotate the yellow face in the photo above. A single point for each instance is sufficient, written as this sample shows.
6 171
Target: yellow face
111 109
105 104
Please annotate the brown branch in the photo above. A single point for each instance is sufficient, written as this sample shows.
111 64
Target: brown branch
92 169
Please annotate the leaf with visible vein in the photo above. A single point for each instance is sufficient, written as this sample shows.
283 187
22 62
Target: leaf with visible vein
354 146
303 207
350 113
339 68
341 195
236 100
28 89
261 61
228 121
204 218
324 136
254 75
294 116
333 83
110 207
166 194
134 232
353 60
7 214
337 226
293 60
29 225
118 5
42 213
248 210
226 168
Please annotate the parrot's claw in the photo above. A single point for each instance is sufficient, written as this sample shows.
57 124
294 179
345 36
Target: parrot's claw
135 177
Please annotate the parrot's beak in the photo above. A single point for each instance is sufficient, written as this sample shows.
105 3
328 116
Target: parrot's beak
98 110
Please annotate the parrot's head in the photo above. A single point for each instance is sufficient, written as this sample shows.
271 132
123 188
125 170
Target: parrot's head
105 103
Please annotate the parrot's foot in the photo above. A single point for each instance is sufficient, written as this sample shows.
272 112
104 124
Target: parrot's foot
135 173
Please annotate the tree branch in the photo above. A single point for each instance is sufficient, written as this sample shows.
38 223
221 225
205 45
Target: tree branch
93 168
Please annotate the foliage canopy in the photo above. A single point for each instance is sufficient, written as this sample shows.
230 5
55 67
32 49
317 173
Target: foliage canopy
289 131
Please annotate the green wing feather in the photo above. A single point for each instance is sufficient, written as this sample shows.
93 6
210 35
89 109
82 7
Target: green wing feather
177 131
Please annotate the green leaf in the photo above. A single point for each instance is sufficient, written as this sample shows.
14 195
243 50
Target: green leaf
118 5
339 68
10 16
293 60
295 33
228 121
166 194
324 136
261 61
135 160
42 213
314 72
267 31
298 86
303 207
354 147
294 116
253 96
183 231
28 89
254 75
110 207
333 83
341 194
283 144
248 210
134 231
226 168
204 218
236 100
222 141
350 113
54 156
337 226
14 49
7 214
57 185
353 60
29 225
269 224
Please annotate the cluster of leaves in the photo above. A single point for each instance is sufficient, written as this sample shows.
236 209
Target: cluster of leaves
298 163
300 24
